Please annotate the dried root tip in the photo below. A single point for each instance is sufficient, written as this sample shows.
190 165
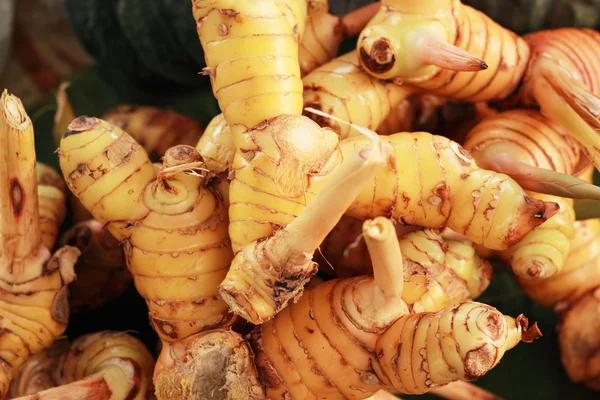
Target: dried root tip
537 212
217 365
579 340
184 159
81 124
528 333
377 55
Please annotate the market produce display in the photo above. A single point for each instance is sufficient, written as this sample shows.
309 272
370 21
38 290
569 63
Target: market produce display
330 231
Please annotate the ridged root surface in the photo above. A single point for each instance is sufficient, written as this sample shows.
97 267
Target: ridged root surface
173 225
532 139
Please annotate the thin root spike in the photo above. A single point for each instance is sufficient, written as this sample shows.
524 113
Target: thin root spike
438 52
572 105
539 180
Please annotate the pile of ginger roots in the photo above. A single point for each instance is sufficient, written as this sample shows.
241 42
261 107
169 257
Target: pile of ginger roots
327 235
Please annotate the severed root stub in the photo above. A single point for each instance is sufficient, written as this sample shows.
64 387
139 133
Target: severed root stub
217 365
265 276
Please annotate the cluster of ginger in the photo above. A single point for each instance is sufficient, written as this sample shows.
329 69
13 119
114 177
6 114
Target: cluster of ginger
318 164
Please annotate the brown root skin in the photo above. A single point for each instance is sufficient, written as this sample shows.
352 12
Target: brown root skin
265 276
102 273
101 366
38 372
64 113
579 340
154 128
216 365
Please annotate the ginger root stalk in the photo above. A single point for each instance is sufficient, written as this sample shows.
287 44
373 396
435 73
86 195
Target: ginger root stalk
266 275
172 222
338 340
562 79
155 129
342 89
102 273
532 139
499 216
437 272
282 159
440 46
105 365
51 200
33 300
364 359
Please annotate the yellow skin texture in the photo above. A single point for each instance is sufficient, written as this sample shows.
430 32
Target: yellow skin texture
580 273
116 365
334 352
282 158
341 88
406 24
33 294
437 272
320 42
51 202
562 78
499 215
254 77
532 139
174 228
154 128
